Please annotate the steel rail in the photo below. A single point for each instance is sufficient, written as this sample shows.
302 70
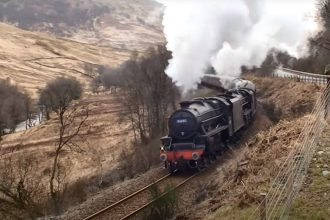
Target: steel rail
126 198
159 197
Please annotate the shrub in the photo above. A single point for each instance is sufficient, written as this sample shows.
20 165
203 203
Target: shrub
164 206
272 112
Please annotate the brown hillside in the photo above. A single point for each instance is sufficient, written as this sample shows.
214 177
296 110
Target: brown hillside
121 24
285 99
30 60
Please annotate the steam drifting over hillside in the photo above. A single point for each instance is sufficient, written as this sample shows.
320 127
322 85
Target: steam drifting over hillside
229 34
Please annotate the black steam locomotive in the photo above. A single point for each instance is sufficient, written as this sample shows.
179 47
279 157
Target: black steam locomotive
202 127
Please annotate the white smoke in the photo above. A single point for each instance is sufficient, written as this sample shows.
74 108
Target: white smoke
228 34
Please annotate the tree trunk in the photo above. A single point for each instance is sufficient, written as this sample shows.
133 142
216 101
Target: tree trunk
53 192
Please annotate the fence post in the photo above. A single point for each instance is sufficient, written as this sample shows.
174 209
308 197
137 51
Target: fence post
263 207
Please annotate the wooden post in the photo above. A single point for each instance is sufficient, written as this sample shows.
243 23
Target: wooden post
263 207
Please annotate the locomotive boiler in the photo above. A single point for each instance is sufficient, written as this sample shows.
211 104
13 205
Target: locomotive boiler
202 127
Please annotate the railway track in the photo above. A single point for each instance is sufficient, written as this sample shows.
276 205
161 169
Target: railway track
140 200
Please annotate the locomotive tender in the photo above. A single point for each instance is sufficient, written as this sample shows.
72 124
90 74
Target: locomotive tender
202 127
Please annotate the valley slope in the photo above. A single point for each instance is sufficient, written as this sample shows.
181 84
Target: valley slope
70 44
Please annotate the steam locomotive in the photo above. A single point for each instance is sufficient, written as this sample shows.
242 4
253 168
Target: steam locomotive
202 127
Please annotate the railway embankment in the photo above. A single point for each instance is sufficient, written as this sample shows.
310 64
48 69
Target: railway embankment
235 191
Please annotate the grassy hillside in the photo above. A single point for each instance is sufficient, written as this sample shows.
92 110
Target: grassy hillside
30 59
89 33
120 24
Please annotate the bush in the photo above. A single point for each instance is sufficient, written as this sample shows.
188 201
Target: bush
272 112
140 160
164 206
20 187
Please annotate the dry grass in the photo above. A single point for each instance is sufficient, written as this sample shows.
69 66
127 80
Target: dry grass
106 139
30 60
266 153
285 98
239 196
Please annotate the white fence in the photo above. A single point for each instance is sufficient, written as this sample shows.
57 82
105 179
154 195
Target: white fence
300 76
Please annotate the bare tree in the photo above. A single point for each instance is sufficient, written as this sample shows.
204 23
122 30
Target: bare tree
58 96
20 187
15 106
148 96
148 93
110 77
59 93
319 45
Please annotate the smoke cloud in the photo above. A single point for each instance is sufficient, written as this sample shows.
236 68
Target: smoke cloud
228 34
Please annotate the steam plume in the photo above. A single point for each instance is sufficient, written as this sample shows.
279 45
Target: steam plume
227 34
